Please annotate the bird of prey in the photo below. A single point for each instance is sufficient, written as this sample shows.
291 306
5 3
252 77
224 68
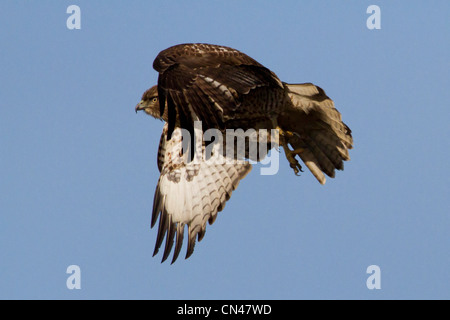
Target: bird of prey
226 89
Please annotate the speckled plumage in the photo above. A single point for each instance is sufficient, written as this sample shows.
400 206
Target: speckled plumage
226 89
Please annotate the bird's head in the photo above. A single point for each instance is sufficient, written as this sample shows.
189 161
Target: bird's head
150 104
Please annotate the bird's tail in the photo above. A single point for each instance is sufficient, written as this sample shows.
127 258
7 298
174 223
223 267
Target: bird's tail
318 130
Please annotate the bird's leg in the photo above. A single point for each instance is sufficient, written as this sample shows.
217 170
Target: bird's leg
290 154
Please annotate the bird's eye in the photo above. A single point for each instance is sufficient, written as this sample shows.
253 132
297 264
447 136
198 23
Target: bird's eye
155 99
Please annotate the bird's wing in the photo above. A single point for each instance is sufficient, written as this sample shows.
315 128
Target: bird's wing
323 136
207 81
190 193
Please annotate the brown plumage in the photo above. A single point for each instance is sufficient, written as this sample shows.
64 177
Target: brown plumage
226 89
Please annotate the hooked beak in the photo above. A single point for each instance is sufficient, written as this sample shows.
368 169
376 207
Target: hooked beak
139 107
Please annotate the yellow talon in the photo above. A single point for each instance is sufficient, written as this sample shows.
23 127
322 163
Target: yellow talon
290 154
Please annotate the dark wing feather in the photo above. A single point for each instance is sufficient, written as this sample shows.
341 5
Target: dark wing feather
207 81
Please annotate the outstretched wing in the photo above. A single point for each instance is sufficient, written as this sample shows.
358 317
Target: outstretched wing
190 193
208 81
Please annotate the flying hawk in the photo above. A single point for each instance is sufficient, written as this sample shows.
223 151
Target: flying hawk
226 89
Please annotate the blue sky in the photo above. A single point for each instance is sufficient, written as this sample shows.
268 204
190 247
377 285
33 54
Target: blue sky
78 166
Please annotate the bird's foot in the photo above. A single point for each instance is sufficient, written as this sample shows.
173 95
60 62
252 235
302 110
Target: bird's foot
290 154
